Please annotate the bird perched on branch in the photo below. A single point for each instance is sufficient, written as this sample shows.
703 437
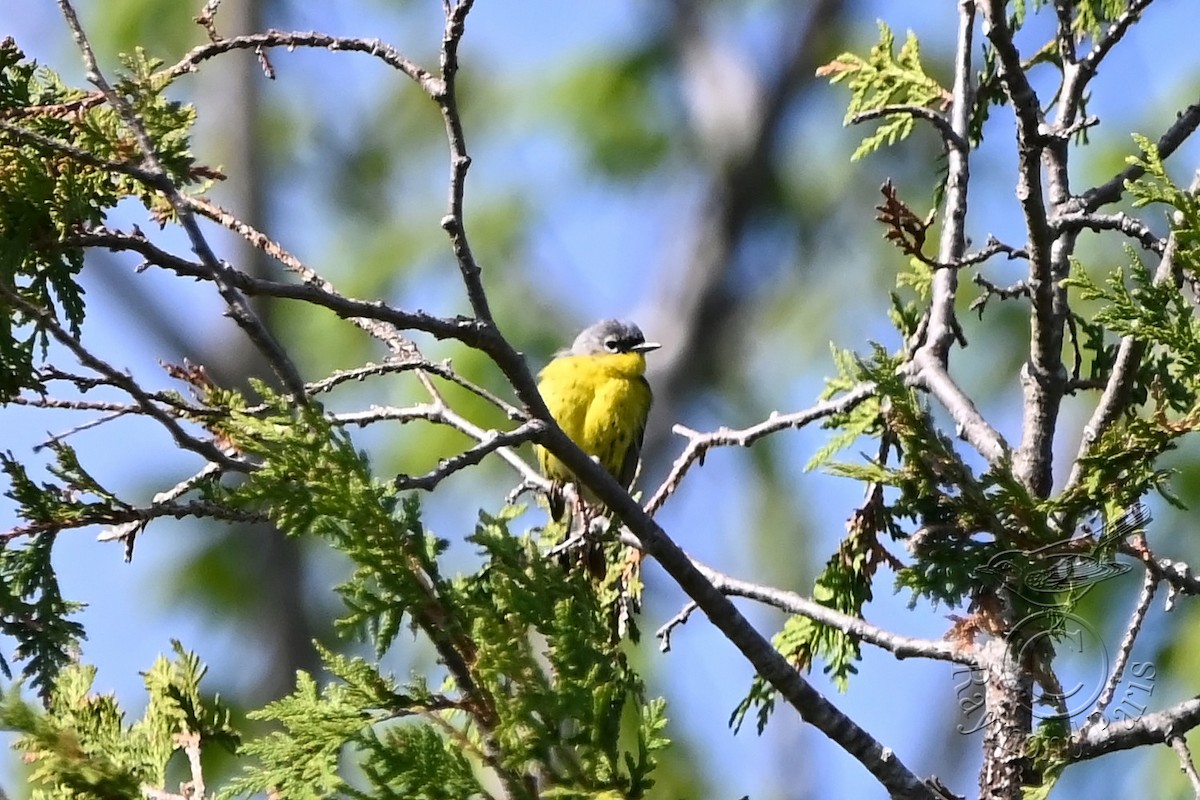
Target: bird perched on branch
597 392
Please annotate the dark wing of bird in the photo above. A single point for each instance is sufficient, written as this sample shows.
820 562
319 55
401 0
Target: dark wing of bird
629 464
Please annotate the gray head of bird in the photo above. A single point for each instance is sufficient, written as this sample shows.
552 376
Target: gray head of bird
611 336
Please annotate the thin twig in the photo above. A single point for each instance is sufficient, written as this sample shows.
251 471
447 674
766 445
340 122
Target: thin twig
1179 744
190 740
115 409
1119 388
1089 64
446 97
990 290
1132 630
359 374
1110 192
205 449
207 19
1177 574
700 443
239 310
136 517
439 412
899 646
127 530
952 139
84 426
1153 728
663 634
928 364
489 442
442 370
1132 227
991 247
400 346
291 40
465 330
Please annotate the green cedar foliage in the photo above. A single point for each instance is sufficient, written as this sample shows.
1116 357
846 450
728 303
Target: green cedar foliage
1123 464
80 748
537 692
538 689
32 609
886 78
58 181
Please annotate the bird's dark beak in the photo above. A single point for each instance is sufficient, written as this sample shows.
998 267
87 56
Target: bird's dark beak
645 347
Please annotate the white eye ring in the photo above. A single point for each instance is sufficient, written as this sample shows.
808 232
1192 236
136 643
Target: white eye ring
611 344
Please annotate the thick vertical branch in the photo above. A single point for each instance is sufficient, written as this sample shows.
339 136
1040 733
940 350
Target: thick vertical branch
1008 690
1009 722
1044 378
953 243
930 361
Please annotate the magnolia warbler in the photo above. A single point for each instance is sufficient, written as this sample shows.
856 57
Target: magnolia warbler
597 392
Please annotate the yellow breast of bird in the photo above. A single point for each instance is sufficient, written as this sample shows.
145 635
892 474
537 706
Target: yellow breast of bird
601 402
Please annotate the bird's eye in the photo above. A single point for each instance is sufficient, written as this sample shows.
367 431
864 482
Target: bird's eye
610 345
